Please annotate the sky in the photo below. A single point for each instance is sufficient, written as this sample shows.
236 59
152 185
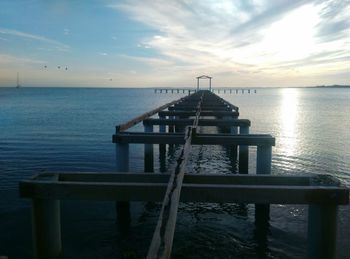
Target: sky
168 43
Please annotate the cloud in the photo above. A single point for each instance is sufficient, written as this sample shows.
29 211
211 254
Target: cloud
335 20
6 59
66 31
228 37
148 60
58 45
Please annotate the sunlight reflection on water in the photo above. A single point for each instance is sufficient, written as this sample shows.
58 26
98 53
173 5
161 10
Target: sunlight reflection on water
288 115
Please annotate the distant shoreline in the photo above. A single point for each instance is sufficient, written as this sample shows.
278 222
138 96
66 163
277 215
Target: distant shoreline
332 86
169 88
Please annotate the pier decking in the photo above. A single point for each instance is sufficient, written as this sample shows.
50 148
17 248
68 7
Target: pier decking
178 123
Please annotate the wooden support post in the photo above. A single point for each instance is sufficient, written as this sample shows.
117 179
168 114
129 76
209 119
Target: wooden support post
162 127
122 157
263 159
162 148
263 166
243 163
122 165
148 152
322 225
46 221
232 149
171 127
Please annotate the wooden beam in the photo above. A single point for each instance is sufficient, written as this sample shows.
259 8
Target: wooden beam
212 178
203 113
199 139
190 192
134 121
201 122
205 108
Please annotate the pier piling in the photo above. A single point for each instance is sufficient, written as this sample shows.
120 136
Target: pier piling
148 156
243 156
46 228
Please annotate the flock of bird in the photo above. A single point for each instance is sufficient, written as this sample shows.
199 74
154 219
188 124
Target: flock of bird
66 68
58 67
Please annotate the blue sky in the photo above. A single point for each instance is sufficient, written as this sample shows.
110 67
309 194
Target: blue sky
168 43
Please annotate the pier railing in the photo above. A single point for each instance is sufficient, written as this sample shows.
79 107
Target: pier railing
178 125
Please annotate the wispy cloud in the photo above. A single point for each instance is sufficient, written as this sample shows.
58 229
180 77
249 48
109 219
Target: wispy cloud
6 59
228 37
57 44
148 60
66 31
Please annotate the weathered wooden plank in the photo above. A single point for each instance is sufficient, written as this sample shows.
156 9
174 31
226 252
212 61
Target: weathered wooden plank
203 113
134 121
205 108
201 122
149 138
188 178
163 236
190 192
162 240
204 105
199 139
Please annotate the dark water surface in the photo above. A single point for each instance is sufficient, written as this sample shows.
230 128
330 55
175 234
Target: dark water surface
70 129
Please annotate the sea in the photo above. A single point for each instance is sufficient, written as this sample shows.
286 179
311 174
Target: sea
46 129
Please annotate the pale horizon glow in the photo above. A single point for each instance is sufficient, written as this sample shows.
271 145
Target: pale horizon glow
129 43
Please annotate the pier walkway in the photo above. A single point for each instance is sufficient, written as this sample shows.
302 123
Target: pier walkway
177 123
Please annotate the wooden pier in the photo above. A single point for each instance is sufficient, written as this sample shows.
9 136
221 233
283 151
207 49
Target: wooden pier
222 90
178 123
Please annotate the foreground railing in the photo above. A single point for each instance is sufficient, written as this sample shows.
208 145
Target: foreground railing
322 193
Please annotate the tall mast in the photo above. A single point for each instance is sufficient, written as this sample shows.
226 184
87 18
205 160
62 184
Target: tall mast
17 79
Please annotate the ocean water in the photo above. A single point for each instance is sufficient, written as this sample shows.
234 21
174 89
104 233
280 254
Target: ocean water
70 129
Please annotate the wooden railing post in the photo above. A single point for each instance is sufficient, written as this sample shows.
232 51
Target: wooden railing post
263 166
46 222
148 152
322 225
122 165
243 162
162 148
162 127
263 159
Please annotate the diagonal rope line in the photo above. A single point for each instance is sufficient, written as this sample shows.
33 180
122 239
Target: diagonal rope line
163 235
